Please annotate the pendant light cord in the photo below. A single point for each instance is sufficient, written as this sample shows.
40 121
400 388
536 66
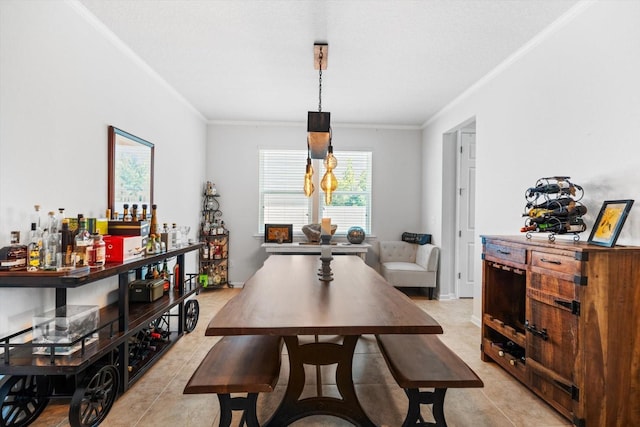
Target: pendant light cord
320 57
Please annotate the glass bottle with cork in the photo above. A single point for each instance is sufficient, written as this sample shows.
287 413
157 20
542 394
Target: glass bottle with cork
66 247
177 278
164 274
126 216
52 258
153 229
35 248
82 244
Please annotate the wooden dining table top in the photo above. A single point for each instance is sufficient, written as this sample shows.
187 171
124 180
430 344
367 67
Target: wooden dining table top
286 297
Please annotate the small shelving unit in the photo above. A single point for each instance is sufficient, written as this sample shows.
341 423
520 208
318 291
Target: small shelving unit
214 237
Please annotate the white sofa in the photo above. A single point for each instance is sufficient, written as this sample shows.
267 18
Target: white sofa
409 264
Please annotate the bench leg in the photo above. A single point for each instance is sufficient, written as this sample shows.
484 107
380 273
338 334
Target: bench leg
246 404
417 398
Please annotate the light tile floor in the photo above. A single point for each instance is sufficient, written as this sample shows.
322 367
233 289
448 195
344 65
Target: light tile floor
157 399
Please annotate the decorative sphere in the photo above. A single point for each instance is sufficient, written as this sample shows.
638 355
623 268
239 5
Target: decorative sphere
355 235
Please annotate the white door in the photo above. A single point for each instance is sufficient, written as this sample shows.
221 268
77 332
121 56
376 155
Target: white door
466 213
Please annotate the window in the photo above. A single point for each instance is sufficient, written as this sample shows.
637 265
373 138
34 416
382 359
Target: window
282 200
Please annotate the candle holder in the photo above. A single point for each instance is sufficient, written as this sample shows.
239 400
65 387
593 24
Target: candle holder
325 273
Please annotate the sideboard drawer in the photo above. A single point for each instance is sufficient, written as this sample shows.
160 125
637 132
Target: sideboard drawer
554 262
511 254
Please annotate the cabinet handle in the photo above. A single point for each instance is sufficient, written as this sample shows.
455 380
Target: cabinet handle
566 304
551 261
542 333
565 387
500 251
501 353
512 362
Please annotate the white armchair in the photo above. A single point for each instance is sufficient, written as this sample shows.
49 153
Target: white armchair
408 264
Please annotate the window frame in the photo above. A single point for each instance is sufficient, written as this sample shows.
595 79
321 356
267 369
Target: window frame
316 209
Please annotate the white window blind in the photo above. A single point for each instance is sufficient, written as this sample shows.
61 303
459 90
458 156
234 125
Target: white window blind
282 200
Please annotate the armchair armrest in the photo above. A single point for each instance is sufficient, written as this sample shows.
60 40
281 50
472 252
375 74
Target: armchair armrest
427 257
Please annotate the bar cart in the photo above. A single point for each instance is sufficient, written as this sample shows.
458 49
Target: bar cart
103 365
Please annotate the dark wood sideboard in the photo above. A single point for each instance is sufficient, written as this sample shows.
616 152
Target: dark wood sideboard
564 319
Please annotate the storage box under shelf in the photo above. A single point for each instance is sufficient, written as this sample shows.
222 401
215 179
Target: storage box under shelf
64 326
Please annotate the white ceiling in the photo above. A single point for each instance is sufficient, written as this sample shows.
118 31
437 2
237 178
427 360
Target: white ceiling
390 62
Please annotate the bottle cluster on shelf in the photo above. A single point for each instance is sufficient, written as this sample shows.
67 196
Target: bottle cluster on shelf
61 243
553 206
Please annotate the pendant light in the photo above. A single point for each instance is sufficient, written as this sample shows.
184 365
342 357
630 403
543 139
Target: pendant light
319 135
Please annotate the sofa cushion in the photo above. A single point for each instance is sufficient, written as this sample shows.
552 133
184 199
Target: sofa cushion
391 251
408 274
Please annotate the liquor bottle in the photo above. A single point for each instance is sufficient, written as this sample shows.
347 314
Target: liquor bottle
36 217
60 218
149 274
205 251
100 250
126 216
74 224
66 247
217 278
154 219
164 274
222 229
552 203
35 247
218 250
52 244
82 244
134 212
177 278
143 217
552 188
174 236
157 245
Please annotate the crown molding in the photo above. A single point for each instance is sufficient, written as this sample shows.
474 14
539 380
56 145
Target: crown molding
303 125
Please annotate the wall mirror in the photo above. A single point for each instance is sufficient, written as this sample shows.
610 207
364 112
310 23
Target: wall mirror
130 171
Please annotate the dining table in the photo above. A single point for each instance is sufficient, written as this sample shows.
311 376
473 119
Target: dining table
286 297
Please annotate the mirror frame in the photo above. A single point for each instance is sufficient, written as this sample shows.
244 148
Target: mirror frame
116 137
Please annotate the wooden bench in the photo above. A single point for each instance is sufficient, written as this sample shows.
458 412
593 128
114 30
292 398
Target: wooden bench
423 361
238 364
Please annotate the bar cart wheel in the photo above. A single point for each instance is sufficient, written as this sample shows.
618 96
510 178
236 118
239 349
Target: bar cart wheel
92 400
192 312
23 398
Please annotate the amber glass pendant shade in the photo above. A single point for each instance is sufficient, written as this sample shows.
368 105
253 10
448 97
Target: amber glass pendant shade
329 183
308 179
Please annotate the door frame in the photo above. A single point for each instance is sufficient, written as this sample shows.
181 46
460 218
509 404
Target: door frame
450 170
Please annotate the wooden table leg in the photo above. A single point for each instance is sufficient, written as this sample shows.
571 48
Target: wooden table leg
292 408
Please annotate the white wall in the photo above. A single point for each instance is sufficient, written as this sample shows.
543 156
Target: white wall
63 81
232 163
568 105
